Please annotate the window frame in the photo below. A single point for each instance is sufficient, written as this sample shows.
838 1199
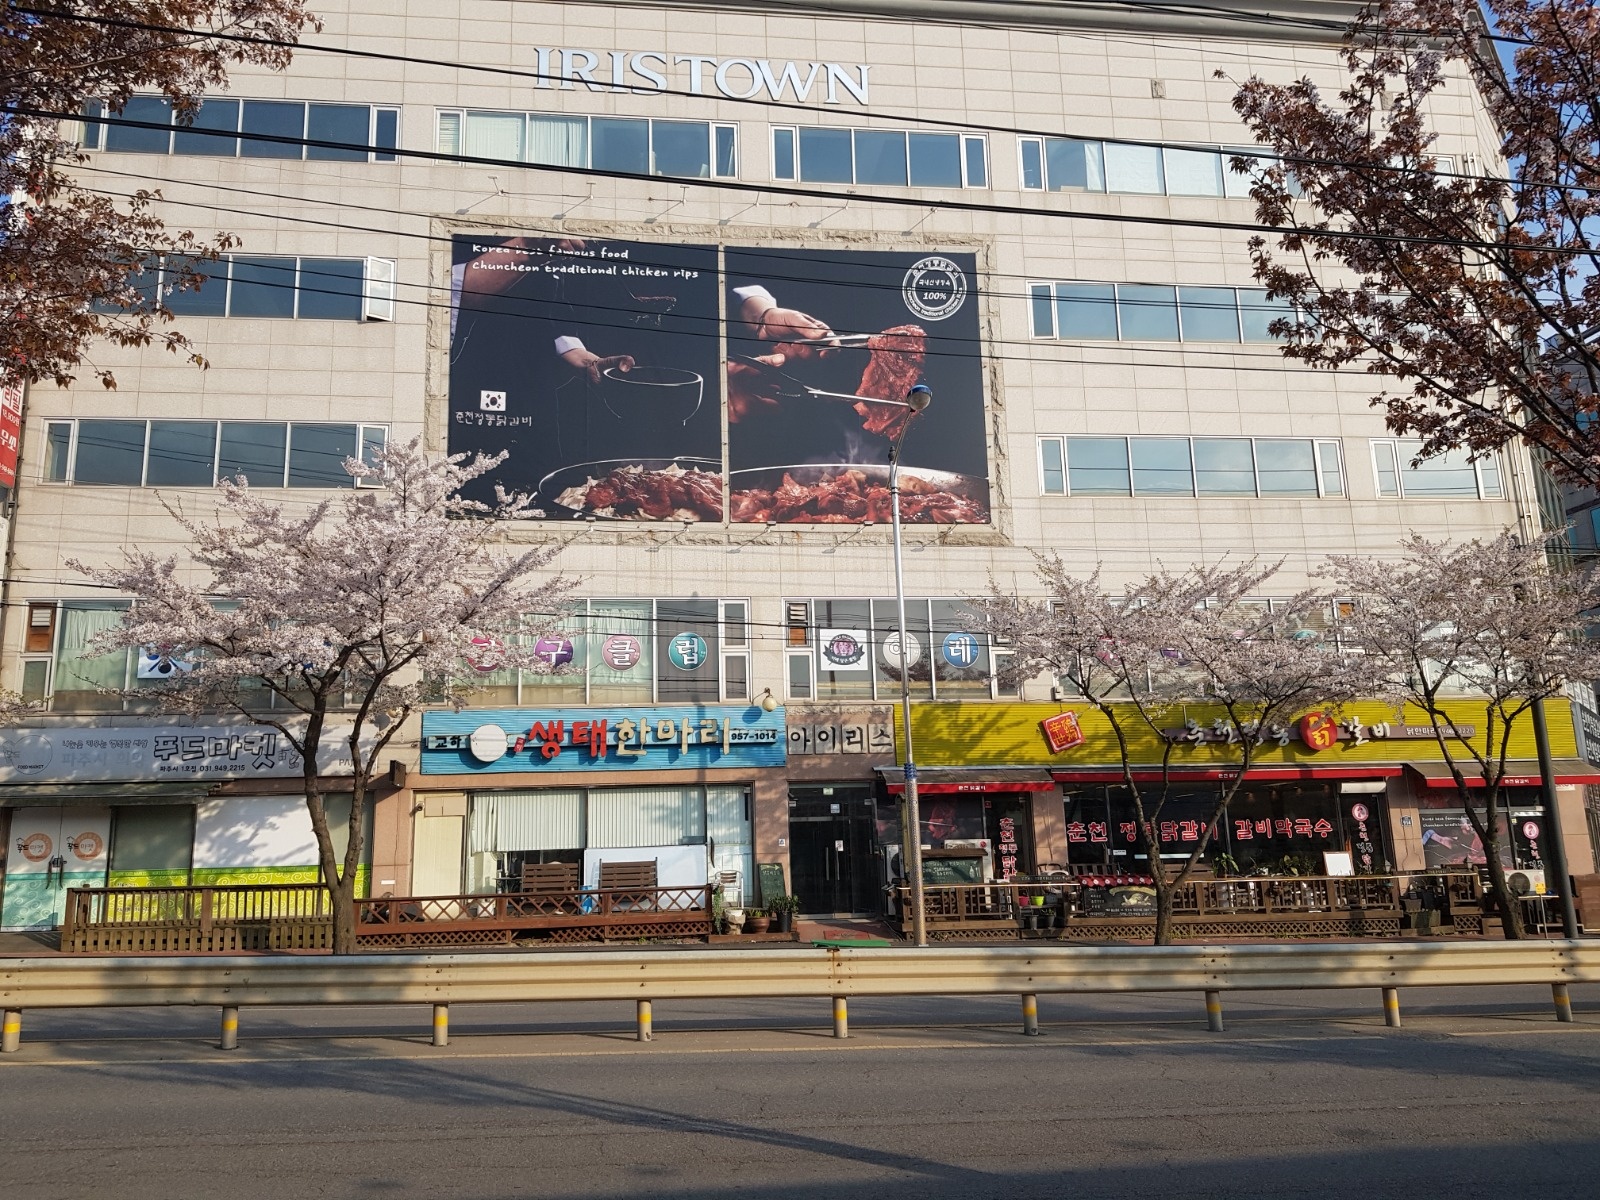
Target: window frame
963 141
462 113
1234 187
1319 446
1402 460
1045 295
91 129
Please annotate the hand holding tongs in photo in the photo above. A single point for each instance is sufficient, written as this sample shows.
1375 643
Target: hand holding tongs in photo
780 385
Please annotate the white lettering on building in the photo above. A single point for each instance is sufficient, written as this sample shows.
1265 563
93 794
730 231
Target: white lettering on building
647 72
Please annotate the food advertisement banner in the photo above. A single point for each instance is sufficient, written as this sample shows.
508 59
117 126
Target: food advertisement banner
606 369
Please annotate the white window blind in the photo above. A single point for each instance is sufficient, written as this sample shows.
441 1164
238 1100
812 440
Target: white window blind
526 820
654 816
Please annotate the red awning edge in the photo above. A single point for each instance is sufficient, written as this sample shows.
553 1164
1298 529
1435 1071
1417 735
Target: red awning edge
1567 771
1206 774
896 786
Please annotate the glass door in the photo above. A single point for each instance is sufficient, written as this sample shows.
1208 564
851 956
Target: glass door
831 851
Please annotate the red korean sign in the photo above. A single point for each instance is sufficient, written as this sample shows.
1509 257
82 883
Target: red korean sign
1319 731
1062 732
10 432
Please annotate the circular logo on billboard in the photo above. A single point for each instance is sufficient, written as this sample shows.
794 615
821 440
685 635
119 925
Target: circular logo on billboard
1359 812
622 652
902 649
687 651
1530 830
934 288
843 650
557 651
86 846
487 743
960 649
28 754
36 847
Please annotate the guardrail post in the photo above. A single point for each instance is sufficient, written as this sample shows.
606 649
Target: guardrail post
441 1024
230 1027
645 1033
1391 1007
1214 1011
11 1031
1030 1015
1563 999
841 1017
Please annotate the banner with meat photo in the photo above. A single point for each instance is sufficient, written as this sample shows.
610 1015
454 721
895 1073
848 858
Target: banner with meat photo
821 343
596 364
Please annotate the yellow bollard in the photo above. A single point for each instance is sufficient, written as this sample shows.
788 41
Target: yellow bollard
1030 1015
1391 1007
841 1017
441 1024
645 1033
1214 1011
230 1027
11 1031
1563 999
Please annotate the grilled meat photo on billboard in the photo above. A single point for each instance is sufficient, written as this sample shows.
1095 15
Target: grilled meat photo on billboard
822 344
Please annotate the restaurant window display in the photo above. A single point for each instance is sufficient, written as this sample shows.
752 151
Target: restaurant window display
1268 828
1449 840
1000 823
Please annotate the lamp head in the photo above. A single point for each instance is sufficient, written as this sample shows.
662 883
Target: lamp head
919 397
768 702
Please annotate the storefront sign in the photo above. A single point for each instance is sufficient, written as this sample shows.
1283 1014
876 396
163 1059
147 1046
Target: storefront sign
622 652
961 649
902 649
844 649
10 431
1324 732
1318 730
687 651
601 739
844 737
556 651
1062 731
160 752
1360 814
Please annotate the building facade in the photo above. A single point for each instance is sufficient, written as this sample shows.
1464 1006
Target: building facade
599 236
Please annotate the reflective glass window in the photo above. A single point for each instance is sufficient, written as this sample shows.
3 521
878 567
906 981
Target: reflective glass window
1133 169
1224 467
1193 172
1288 467
216 115
330 288
1210 314
254 450
151 109
1161 467
936 160
317 454
347 124
880 157
276 119
1097 466
682 148
1086 310
182 454
1149 313
621 145
825 156
1074 166
110 452
262 287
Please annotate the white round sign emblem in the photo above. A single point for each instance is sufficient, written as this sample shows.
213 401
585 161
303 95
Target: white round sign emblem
934 288
488 743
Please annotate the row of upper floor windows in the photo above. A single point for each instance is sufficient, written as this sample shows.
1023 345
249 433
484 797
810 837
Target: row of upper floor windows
878 157
1305 468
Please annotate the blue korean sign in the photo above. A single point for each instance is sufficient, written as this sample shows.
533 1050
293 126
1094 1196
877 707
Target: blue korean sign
961 649
500 741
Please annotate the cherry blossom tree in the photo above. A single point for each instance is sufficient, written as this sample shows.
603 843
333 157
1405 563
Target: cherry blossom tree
1168 645
70 254
360 610
1474 287
1481 620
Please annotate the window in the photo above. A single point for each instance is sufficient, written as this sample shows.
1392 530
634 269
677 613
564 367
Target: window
636 145
305 289
1075 311
631 652
1448 476
842 652
1079 165
198 453
879 157
1172 466
223 128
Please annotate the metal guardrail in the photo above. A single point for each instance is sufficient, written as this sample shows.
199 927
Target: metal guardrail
1026 971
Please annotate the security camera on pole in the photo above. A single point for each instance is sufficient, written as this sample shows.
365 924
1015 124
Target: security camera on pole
917 399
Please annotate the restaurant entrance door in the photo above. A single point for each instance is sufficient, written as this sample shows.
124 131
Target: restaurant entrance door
830 848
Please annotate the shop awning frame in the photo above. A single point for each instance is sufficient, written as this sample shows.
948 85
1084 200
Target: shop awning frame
101 795
970 781
1519 773
1265 774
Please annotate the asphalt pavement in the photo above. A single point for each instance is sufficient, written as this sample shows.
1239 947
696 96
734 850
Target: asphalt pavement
1481 1093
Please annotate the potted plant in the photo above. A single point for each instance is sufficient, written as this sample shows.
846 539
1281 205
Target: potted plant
756 922
782 910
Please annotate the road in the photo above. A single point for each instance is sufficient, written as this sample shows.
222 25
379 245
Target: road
1480 1094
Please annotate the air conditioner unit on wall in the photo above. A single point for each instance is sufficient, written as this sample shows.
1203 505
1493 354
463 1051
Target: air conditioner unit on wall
1527 882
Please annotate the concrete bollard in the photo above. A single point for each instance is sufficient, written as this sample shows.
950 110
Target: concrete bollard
1391 1007
1563 999
645 1032
841 1017
11 1031
1214 1011
1030 1015
230 1027
441 1024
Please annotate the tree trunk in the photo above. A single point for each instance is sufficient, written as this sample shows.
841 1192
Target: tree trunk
341 891
1164 897
1508 901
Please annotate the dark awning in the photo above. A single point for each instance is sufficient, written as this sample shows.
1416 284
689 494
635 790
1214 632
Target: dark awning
65 795
944 780
1268 774
1519 773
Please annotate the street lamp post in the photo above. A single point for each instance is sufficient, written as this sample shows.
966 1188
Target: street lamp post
917 399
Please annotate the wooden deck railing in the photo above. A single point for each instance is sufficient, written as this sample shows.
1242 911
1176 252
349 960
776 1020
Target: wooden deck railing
1358 904
220 919
564 916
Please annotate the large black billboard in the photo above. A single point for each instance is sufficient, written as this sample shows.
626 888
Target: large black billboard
607 369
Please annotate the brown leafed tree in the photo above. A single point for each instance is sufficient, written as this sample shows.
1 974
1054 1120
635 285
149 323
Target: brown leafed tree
68 253
1475 291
